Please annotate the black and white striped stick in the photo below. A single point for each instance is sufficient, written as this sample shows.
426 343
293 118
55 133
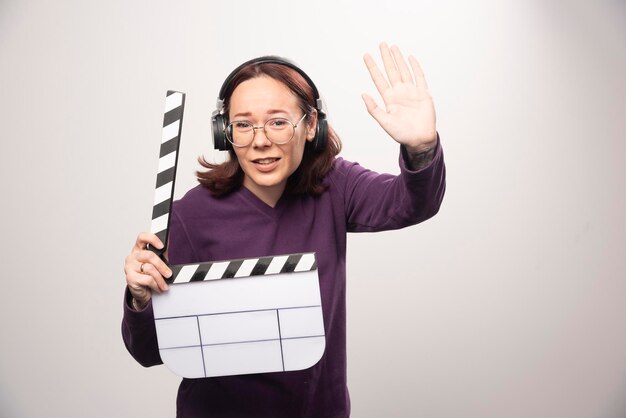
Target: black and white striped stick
292 263
168 161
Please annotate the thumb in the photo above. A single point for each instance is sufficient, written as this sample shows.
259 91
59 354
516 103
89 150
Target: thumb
373 109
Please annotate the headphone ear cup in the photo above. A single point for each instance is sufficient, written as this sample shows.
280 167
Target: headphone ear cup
218 126
321 134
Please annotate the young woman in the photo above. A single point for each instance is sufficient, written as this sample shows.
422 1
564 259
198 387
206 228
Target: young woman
284 190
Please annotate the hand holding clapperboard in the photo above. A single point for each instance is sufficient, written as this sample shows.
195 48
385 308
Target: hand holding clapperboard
231 317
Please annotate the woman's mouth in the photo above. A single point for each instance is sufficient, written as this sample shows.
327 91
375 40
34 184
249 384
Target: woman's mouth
265 161
265 164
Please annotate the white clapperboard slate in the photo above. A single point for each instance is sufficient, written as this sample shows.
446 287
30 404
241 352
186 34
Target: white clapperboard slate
237 316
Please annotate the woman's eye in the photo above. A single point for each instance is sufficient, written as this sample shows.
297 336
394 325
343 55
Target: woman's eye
242 125
277 123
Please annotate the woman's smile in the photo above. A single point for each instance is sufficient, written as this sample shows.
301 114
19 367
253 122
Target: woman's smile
266 164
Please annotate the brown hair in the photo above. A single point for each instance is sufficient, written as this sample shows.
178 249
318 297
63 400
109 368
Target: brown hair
228 176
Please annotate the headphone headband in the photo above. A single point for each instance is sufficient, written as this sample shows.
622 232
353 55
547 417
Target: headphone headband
269 59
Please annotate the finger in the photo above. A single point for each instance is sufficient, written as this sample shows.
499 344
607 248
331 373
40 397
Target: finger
139 284
405 73
377 77
148 258
151 271
420 80
135 269
147 238
373 109
390 65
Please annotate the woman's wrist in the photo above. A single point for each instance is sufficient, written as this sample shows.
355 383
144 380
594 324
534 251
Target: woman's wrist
136 305
418 158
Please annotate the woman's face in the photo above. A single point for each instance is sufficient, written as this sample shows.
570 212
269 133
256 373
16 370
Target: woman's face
266 165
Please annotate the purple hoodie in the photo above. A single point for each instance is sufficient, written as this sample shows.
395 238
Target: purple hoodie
239 225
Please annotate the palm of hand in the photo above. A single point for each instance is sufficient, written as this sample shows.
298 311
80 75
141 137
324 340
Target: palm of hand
409 114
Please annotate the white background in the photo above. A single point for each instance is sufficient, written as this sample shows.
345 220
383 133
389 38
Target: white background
509 303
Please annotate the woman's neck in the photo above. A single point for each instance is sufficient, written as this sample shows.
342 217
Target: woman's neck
270 195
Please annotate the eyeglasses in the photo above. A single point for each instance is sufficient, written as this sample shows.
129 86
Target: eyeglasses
279 131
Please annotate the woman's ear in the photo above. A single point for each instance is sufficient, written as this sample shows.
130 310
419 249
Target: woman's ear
311 126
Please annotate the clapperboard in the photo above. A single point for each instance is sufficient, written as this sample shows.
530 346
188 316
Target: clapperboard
231 317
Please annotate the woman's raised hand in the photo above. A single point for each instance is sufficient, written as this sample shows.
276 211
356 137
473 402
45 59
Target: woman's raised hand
409 113
145 270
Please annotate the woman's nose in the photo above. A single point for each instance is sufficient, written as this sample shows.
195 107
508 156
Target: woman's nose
261 139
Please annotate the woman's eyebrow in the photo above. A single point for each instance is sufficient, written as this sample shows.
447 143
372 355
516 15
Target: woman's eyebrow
269 112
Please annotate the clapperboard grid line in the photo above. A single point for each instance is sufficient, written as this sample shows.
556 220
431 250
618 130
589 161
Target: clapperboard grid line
280 338
217 270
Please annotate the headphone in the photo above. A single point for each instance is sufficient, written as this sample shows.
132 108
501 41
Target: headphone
219 121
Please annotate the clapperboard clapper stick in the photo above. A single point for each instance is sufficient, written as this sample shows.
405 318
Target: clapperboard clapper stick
231 317
166 173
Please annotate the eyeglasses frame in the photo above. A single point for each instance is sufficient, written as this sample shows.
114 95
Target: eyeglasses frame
254 129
